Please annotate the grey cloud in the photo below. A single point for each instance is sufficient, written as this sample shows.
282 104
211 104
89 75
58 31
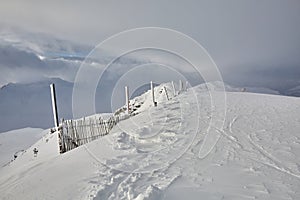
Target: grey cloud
243 37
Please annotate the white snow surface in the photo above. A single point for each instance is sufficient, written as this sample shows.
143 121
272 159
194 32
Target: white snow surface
155 154
16 141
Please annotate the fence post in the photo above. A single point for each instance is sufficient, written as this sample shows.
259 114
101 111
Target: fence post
127 98
152 92
186 85
174 90
166 93
61 139
54 106
180 86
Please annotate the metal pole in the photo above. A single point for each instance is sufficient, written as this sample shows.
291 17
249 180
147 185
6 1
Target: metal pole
127 98
54 106
152 91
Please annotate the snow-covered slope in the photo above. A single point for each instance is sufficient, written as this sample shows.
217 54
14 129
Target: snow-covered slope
218 86
16 142
155 154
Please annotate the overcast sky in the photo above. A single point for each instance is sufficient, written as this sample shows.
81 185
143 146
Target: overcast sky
256 37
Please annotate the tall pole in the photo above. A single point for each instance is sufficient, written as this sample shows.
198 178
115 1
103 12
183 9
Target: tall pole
54 106
186 85
127 98
152 92
180 86
166 93
174 90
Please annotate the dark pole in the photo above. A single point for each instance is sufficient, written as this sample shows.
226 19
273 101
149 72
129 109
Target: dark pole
54 106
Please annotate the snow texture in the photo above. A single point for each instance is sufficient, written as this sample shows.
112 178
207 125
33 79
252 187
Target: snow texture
156 154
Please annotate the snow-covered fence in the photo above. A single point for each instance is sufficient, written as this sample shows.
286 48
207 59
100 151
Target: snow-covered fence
73 133
81 131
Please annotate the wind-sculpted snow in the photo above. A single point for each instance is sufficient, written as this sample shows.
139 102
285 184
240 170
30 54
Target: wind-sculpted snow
157 154
13 143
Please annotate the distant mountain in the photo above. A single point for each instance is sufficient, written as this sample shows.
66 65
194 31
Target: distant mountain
295 91
29 61
29 105
217 86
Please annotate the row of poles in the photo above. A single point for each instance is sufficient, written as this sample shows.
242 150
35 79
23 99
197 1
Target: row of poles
54 104
181 88
127 102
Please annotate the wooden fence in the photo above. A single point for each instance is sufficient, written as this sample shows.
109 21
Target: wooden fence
74 133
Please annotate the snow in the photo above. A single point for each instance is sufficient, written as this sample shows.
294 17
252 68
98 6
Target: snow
41 57
17 141
217 85
156 154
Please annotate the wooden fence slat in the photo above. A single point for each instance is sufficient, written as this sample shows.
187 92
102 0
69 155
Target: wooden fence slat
82 131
